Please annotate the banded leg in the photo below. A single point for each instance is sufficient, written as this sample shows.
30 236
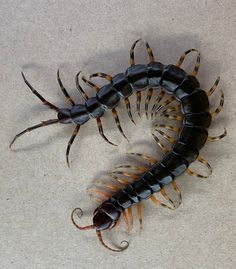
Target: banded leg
162 105
161 145
81 91
115 116
206 163
29 129
64 91
166 136
128 108
133 167
219 108
126 221
138 101
130 217
101 193
176 188
197 64
213 88
173 117
100 128
157 101
101 75
167 127
139 211
149 51
147 101
74 134
218 137
126 174
110 186
167 197
158 202
150 159
122 181
45 102
171 109
90 84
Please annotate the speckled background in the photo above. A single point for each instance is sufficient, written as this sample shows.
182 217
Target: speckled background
38 191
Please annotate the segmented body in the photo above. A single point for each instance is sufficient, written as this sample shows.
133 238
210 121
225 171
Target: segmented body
195 107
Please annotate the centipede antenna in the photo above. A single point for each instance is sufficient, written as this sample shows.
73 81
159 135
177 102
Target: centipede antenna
147 101
100 128
99 234
138 101
29 129
128 108
64 91
115 116
213 88
80 214
81 91
45 102
101 75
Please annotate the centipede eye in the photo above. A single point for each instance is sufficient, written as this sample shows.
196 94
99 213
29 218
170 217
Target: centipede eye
79 215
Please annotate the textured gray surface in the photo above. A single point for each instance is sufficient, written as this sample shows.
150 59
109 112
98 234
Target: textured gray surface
38 191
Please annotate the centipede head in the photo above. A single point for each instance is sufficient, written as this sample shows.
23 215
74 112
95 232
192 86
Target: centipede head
105 217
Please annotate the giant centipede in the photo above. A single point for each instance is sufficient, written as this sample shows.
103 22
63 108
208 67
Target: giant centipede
179 86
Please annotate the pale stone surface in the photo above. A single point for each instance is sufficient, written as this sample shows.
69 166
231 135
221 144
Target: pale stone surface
38 191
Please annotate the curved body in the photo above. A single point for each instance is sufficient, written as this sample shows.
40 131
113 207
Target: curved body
195 107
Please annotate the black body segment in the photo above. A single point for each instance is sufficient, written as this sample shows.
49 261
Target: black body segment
154 73
188 86
175 163
121 84
202 120
197 102
141 189
172 77
79 114
108 96
188 153
194 137
137 76
94 108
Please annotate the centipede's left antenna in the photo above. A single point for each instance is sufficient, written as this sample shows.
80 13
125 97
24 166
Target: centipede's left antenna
80 214
99 234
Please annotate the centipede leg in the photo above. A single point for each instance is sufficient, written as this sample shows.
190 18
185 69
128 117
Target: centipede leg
197 65
158 202
101 75
206 163
80 89
138 101
130 216
218 137
122 181
173 117
167 127
74 134
162 105
167 197
147 101
29 129
100 128
149 51
157 101
128 108
126 221
101 193
139 211
161 145
213 88
219 108
64 91
150 159
141 169
177 189
45 102
90 84
166 136
115 116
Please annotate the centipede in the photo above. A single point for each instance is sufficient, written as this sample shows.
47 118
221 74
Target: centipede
192 111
